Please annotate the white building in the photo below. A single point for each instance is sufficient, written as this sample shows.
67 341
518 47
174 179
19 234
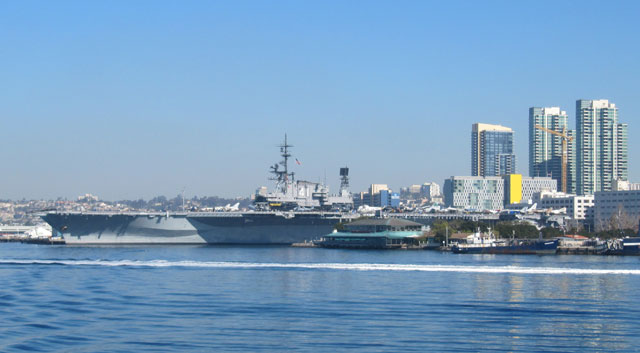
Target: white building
622 203
623 185
530 186
431 190
88 198
472 192
425 192
578 207
376 188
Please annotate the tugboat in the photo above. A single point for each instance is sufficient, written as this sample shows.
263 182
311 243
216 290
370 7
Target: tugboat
375 233
479 243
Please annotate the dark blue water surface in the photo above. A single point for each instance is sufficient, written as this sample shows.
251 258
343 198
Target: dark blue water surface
273 299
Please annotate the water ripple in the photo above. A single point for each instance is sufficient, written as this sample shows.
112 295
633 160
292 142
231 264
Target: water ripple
167 299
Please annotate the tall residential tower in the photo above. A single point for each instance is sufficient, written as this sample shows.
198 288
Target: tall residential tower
545 148
492 150
601 146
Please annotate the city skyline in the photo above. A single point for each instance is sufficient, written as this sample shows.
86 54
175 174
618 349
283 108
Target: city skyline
130 101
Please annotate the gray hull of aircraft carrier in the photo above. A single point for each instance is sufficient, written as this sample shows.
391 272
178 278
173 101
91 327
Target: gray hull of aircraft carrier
192 227
275 220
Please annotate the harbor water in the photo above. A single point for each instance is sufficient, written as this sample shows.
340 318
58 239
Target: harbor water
274 299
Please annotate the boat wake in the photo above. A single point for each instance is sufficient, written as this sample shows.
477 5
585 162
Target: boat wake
328 266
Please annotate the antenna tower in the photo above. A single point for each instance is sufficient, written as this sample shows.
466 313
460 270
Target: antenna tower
344 178
283 177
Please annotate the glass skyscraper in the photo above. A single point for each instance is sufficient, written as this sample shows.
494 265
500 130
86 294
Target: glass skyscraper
545 149
601 146
492 150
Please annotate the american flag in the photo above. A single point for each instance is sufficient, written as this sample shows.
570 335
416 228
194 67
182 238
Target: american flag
298 162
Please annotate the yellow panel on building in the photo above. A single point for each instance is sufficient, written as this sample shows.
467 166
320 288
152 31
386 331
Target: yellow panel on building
515 188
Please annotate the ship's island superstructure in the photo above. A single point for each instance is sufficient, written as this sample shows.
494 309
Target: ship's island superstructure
296 211
291 194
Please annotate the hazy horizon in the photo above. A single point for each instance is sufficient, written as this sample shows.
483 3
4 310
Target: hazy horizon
129 100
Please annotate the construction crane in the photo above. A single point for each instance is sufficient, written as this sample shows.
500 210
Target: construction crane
565 138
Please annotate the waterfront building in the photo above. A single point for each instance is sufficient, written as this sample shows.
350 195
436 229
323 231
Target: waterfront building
578 207
545 149
372 233
492 150
601 146
474 192
617 209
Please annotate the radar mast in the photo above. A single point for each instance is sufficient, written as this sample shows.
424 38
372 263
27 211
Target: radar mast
282 177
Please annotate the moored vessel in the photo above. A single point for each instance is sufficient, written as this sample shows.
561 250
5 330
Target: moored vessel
479 243
296 211
624 246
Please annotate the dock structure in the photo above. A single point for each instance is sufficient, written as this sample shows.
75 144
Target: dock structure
38 234
305 244
31 240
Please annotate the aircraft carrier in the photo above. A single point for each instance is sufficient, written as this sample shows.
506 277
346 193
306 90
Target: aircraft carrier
296 211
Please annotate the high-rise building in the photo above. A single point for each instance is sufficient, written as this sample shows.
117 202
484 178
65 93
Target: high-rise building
601 146
545 149
492 150
572 167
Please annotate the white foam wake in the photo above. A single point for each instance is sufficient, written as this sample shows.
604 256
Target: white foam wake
330 266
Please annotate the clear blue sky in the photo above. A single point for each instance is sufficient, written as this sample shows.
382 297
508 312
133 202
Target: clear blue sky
129 99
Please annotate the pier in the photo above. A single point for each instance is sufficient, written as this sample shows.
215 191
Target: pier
31 240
